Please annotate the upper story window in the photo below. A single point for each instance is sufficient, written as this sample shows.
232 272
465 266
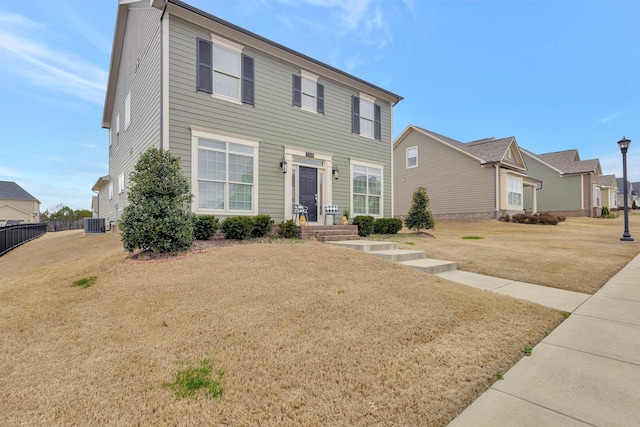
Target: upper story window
224 71
110 191
412 157
121 183
366 117
308 93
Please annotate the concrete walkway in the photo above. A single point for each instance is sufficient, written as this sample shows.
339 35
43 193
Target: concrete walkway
585 373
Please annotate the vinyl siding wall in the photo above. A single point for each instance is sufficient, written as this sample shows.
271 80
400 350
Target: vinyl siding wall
558 193
273 120
139 74
21 210
455 182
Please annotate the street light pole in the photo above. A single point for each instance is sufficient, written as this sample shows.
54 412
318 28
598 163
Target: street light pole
624 146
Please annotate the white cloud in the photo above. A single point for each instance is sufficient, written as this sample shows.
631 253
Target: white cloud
8 174
42 65
610 117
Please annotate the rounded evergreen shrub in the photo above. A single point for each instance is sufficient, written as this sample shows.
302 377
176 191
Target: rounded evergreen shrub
237 227
205 226
158 215
288 229
365 224
261 225
387 225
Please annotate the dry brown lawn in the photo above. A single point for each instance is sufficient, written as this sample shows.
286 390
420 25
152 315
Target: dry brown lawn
580 254
307 334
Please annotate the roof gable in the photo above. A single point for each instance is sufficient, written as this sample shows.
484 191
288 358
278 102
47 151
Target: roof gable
9 190
568 162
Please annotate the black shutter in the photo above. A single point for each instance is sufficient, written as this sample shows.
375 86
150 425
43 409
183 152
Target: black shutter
320 99
248 80
377 125
355 114
204 77
297 91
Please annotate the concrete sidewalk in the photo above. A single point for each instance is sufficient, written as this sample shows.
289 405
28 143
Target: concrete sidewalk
559 299
585 373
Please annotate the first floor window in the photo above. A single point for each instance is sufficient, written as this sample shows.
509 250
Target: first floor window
110 191
226 175
514 191
121 183
367 190
597 196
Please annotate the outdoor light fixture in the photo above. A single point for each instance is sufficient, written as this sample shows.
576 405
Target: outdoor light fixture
335 172
283 165
624 146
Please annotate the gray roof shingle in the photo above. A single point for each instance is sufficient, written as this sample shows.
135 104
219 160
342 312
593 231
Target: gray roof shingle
9 190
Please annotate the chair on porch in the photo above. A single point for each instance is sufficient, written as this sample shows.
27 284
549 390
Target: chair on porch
298 210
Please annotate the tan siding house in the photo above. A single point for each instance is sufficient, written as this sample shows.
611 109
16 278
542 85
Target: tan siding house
16 204
258 127
474 180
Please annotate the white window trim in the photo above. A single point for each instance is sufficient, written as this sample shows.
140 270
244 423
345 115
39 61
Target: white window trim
235 47
314 78
111 191
118 124
597 196
521 188
121 183
127 111
407 157
371 99
196 133
355 162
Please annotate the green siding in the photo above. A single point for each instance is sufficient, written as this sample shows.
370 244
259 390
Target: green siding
558 193
139 73
273 120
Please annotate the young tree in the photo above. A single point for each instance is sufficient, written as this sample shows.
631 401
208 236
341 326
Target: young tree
158 216
419 216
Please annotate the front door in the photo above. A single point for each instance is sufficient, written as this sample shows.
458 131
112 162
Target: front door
309 191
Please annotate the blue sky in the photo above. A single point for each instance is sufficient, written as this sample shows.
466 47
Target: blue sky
556 75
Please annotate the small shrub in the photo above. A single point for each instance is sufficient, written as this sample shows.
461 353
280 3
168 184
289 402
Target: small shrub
205 226
634 205
419 215
507 218
346 213
237 227
261 225
545 218
288 229
387 225
605 212
365 224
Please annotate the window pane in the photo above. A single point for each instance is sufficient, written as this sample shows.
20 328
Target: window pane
359 183
308 101
374 205
375 186
211 165
226 61
309 87
226 85
240 148
211 195
240 168
359 204
366 127
366 109
240 197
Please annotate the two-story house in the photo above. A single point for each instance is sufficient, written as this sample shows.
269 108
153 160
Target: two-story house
258 127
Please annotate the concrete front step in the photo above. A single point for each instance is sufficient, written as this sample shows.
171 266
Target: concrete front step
431 266
398 255
324 233
366 245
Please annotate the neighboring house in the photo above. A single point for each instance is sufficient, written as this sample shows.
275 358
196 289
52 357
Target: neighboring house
474 180
633 193
608 191
17 205
258 127
571 186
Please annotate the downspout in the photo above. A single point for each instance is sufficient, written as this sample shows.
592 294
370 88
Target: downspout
496 191
164 9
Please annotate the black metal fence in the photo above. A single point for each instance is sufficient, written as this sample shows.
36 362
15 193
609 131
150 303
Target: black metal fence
15 235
